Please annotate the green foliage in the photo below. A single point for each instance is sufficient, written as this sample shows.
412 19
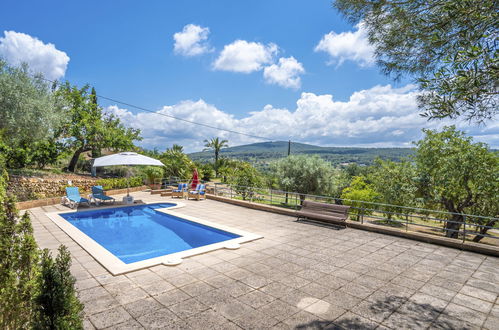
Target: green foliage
243 178
152 173
177 164
87 128
205 170
448 46
18 267
22 285
340 180
305 175
227 167
395 184
216 144
18 261
45 152
27 105
458 175
57 304
177 148
120 183
359 191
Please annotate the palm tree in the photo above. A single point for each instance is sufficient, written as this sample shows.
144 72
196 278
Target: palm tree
177 148
215 144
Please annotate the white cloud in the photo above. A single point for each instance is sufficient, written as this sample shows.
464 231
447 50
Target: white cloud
353 46
192 40
17 48
286 73
381 116
245 57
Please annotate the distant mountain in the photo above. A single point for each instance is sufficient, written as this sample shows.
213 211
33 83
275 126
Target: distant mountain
262 154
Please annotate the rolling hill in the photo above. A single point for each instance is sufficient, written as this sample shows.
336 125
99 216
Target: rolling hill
262 154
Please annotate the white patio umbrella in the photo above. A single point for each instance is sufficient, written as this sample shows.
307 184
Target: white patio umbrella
126 159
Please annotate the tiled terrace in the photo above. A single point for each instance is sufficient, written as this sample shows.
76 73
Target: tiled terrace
299 276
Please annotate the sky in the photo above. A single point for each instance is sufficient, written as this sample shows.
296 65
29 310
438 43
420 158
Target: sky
280 70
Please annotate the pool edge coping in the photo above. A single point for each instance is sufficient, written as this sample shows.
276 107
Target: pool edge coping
117 267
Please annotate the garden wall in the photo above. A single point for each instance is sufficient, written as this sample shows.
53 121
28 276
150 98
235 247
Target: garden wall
30 188
57 200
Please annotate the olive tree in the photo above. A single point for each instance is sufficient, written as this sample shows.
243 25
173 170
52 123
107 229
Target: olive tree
457 175
305 175
27 104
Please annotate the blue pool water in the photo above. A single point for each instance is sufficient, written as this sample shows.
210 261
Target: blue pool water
139 232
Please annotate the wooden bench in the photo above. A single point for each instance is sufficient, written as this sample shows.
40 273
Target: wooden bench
332 213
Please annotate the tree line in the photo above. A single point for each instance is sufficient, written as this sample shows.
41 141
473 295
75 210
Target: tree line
447 172
41 123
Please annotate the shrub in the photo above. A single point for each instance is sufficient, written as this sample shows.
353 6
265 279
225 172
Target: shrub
18 262
244 178
27 298
205 170
120 183
152 173
56 303
358 195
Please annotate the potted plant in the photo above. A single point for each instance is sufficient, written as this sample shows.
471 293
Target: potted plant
154 175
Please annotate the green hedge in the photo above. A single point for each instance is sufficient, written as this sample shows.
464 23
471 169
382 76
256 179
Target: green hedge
120 183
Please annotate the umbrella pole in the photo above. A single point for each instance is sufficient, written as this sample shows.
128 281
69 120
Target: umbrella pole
128 183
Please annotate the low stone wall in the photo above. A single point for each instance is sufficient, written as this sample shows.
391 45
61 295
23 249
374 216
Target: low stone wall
26 188
428 238
56 200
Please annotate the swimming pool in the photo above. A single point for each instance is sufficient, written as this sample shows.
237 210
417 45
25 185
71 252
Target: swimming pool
133 237
139 232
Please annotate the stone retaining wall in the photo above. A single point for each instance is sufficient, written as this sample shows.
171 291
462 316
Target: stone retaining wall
56 200
26 188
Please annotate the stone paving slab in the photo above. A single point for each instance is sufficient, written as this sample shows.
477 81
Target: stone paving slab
299 276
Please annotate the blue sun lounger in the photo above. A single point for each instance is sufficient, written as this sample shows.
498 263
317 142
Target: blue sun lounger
99 196
73 197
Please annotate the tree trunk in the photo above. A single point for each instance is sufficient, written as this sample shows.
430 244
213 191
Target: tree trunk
483 231
452 228
74 160
302 198
215 167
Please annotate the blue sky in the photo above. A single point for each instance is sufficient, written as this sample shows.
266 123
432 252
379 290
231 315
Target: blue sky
280 69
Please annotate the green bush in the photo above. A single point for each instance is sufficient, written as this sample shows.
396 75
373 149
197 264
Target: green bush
152 173
57 304
27 298
120 183
244 178
205 171
359 195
